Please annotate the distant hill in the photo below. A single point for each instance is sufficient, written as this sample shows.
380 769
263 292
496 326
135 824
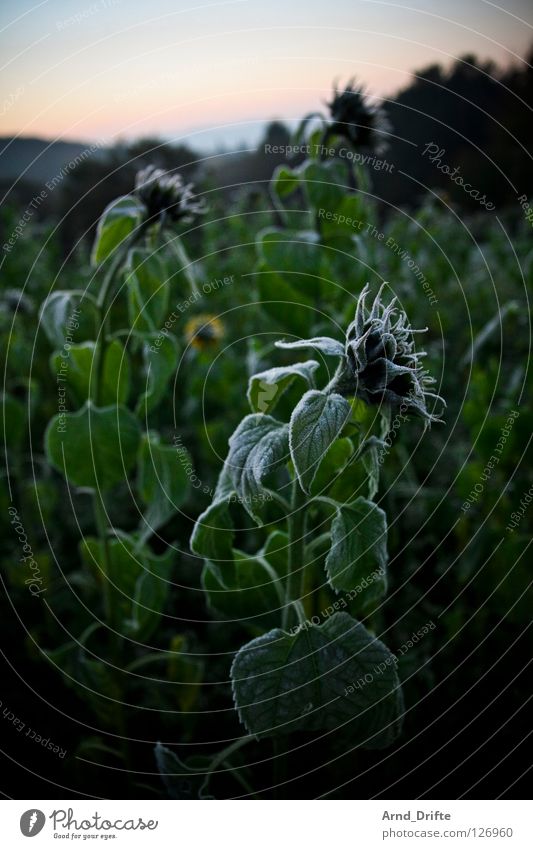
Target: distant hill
39 160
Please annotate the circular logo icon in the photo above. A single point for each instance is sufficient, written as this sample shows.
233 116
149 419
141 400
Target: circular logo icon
32 822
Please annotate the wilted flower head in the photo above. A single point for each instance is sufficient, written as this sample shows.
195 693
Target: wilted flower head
382 365
379 362
204 331
357 120
167 195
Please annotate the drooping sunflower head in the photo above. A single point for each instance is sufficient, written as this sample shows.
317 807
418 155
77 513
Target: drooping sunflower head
382 363
204 331
167 196
363 124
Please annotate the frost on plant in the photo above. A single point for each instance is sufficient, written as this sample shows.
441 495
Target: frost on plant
167 195
380 363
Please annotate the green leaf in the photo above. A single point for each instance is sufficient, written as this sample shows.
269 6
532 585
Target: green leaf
95 447
150 596
148 291
257 448
284 250
276 551
266 388
160 354
332 465
316 422
249 590
75 369
325 184
358 550
116 223
295 254
212 537
138 581
67 317
315 680
291 310
325 344
163 482
14 421
369 452
284 181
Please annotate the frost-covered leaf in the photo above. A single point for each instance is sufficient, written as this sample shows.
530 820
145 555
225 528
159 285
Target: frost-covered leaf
212 537
358 552
320 678
325 344
68 317
257 448
266 388
316 422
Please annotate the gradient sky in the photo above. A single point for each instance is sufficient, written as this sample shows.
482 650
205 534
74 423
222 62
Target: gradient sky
212 72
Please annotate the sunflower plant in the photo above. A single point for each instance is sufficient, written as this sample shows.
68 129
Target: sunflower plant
115 353
308 482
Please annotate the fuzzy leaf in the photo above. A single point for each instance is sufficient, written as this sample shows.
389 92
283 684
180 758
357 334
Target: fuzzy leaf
315 680
325 344
358 548
212 537
316 422
266 388
69 316
257 448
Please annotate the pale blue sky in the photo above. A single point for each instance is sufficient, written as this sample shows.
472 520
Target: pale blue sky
104 69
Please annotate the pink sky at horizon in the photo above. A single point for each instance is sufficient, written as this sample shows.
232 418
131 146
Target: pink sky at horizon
109 69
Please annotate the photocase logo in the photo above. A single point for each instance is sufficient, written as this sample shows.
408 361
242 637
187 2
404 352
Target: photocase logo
266 395
32 822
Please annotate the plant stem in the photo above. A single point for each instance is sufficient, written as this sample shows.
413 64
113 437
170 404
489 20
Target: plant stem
187 266
296 527
99 508
101 527
101 303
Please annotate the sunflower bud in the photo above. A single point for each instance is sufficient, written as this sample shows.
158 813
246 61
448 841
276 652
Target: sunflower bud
167 196
381 364
358 121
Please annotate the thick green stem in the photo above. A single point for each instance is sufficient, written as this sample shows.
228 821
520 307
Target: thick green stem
296 526
99 508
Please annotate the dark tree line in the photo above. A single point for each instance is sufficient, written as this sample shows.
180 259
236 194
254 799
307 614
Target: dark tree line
474 114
